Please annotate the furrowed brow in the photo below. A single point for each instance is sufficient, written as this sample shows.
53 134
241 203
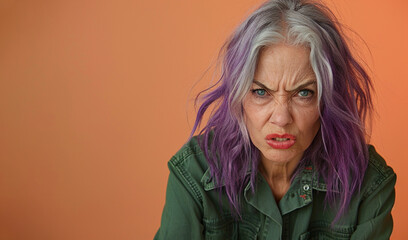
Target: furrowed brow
263 86
300 87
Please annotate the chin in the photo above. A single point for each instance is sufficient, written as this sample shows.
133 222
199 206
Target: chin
282 155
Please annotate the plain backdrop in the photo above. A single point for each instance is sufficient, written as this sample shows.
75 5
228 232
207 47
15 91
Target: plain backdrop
97 95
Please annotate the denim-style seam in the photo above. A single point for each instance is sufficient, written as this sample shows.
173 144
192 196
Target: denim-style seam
186 151
266 227
374 161
376 184
187 179
384 172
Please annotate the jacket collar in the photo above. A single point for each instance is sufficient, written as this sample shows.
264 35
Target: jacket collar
308 174
209 182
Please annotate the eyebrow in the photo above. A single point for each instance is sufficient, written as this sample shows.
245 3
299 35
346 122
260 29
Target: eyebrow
300 87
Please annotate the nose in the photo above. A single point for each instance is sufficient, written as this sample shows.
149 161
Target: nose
281 115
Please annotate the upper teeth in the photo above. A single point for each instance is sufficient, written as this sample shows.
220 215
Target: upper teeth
281 139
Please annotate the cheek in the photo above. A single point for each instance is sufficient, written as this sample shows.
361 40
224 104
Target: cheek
248 110
254 116
308 120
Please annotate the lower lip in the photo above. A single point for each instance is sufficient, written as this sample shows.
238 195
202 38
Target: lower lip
281 144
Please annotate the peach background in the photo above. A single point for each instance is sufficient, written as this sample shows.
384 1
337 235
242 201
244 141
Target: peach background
95 97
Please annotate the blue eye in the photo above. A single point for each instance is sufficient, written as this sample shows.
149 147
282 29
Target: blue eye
305 93
259 92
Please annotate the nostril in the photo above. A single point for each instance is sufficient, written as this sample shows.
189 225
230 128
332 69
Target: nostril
281 116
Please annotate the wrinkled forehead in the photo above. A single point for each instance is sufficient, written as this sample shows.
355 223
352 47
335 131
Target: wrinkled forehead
283 64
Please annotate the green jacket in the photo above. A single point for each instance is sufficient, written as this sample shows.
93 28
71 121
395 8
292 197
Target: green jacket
193 208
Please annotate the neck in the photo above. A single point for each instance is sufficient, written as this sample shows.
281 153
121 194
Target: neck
278 176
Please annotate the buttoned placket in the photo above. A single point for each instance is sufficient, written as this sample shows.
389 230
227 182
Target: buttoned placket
298 196
277 223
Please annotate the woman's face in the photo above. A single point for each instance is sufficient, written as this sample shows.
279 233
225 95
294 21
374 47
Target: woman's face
280 110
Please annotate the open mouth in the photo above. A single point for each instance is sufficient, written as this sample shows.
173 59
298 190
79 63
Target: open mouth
281 139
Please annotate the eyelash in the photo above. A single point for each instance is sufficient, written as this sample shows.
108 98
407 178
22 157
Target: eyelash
310 95
254 91
311 92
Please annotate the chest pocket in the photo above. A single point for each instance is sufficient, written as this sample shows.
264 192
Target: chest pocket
323 231
227 228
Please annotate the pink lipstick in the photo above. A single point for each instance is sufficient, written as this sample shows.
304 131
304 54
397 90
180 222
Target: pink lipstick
279 141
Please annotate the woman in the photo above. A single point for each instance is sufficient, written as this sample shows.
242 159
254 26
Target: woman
283 155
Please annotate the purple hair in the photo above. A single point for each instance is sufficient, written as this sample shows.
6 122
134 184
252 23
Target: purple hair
339 151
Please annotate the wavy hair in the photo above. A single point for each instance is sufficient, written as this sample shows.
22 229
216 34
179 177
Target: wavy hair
339 151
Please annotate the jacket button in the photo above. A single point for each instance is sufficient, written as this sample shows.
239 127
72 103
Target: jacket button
306 187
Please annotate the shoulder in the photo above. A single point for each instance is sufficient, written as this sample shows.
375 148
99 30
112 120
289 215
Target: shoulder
189 166
189 158
378 174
